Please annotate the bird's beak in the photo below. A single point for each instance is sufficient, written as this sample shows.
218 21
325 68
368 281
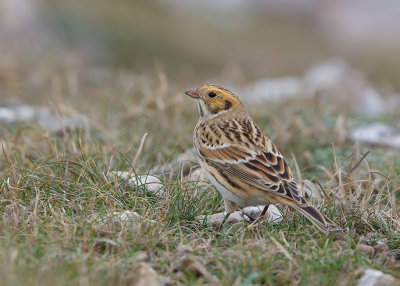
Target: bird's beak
194 93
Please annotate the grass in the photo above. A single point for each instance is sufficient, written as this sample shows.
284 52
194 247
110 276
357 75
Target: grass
53 184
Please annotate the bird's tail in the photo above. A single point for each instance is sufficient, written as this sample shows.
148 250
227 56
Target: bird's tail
323 223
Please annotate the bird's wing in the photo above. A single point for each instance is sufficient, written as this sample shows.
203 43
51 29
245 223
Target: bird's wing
260 165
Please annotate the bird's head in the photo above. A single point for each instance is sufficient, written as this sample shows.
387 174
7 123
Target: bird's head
213 100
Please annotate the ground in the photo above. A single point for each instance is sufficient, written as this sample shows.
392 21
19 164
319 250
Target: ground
55 183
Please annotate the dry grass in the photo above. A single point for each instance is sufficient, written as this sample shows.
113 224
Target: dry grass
53 183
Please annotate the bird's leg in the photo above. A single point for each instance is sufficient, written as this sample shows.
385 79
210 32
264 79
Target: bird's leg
264 210
229 208
225 218
261 215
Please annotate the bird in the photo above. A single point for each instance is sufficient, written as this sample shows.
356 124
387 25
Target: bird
241 161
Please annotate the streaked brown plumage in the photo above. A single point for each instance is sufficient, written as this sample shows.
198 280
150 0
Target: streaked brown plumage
240 160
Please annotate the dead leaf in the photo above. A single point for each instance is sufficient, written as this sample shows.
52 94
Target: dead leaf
193 265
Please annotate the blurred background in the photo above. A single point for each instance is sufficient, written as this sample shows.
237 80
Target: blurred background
110 63
194 41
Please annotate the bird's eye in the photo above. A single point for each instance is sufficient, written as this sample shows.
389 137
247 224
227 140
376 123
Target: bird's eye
212 94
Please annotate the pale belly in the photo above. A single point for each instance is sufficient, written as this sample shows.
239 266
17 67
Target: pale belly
230 195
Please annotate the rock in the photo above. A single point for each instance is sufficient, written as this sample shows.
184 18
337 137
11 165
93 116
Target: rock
22 112
145 276
328 75
382 241
252 213
366 249
218 218
149 183
272 216
336 79
272 88
54 123
381 248
10 114
376 134
235 217
44 115
193 265
371 102
127 218
372 277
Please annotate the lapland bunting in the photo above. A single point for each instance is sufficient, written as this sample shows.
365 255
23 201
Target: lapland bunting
240 160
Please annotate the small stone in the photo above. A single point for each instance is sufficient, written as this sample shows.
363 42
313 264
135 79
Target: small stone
382 241
127 218
252 213
381 248
7 115
372 277
13 113
150 183
335 78
371 102
272 89
67 122
218 218
366 249
376 134
44 115
146 275
272 216
235 217
327 75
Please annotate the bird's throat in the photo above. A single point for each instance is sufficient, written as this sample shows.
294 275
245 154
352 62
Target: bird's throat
200 108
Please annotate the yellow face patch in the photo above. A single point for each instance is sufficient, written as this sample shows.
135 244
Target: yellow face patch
217 98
